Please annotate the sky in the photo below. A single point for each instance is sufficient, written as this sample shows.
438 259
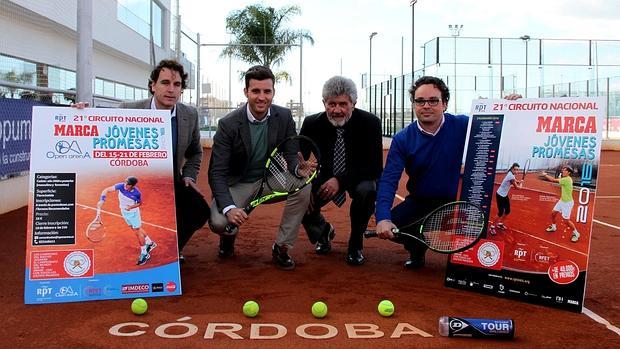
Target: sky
341 30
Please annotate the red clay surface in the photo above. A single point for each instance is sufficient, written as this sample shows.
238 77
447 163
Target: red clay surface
215 290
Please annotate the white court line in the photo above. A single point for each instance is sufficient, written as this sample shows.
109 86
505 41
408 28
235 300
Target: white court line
606 224
600 320
120 216
585 310
549 242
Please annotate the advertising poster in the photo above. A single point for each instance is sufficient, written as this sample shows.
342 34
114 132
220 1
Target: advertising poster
101 193
532 165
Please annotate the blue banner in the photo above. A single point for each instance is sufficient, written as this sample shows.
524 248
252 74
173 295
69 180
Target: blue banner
15 123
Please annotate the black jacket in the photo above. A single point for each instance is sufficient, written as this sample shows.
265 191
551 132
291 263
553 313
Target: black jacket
363 144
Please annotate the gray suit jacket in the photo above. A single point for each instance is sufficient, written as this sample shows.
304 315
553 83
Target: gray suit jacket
232 148
189 149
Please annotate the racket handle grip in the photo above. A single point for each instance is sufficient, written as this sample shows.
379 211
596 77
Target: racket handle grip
370 234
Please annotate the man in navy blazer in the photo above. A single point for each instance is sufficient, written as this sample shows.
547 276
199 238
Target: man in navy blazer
166 83
241 145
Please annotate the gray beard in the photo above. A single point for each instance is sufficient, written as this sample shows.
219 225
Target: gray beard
338 123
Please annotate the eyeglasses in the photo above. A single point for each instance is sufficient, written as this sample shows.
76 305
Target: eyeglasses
433 102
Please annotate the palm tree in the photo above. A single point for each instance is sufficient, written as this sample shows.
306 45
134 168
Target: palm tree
257 24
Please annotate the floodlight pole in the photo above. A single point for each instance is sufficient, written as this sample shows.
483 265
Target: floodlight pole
526 39
455 31
372 35
412 4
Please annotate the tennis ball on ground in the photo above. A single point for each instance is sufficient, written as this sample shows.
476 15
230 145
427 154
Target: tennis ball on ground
250 309
139 306
385 308
319 310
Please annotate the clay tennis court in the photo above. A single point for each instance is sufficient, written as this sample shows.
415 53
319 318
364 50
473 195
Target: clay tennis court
214 291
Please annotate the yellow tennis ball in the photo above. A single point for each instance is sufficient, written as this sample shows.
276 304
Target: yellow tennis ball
139 306
319 310
250 309
385 308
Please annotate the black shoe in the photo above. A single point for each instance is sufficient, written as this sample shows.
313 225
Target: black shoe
355 257
181 258
415 262
324 245
281 257
227 246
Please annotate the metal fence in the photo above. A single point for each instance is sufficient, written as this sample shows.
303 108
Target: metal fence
494 67
391 102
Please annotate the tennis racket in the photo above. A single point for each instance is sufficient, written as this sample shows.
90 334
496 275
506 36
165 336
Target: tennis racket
526 169
450 228
95 231
293 164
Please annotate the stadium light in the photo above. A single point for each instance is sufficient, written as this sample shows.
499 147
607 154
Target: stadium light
372 35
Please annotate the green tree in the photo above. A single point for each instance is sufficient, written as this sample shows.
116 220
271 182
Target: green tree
257 24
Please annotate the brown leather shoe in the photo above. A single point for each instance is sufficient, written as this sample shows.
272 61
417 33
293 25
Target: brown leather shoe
281 257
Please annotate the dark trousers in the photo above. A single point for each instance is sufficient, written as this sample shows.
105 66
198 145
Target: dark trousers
503 205
363 196
192 212
410 211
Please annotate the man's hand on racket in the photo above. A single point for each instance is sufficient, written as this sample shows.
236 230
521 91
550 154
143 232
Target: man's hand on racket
236 216
384 229
329 189
305 167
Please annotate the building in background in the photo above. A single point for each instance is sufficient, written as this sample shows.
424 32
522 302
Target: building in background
38 48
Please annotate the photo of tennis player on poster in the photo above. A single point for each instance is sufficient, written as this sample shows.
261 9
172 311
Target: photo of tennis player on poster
129 201
543 164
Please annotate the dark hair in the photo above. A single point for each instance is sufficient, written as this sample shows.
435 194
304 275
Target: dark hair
259 72
516 164
431 80
172 65
569 169
131 180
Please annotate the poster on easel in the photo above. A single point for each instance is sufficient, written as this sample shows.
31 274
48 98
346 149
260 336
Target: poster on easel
99 211
532 165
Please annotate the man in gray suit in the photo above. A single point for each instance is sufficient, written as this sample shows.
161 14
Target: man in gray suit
166 83
241 145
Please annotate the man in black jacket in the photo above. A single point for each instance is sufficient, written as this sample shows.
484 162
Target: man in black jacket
350 143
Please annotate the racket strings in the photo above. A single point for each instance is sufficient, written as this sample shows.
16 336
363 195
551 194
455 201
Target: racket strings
453 227
278 170
95 231
281 176
94 226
